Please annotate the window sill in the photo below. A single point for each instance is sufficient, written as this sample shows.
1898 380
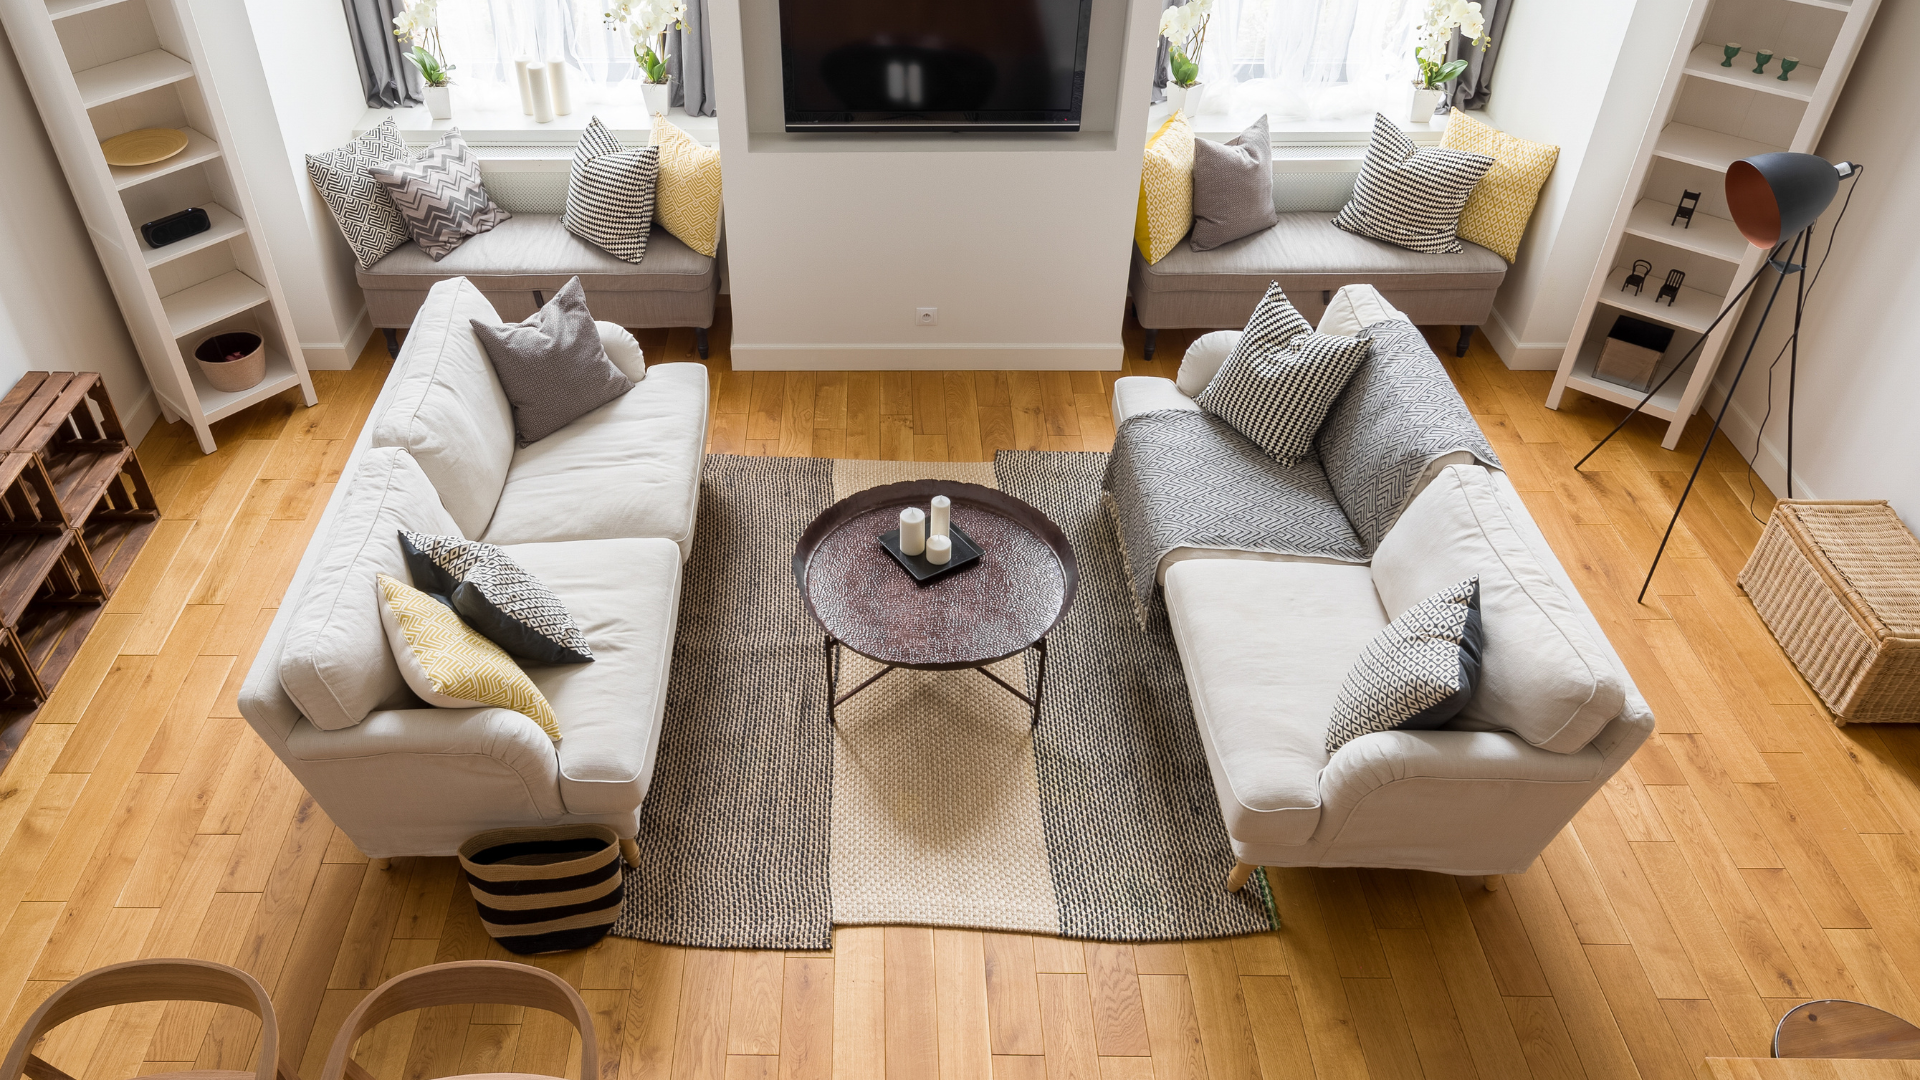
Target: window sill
511 129
1341 140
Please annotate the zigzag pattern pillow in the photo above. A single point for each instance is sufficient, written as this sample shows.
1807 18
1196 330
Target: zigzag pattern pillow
494 594
611 192
1417 673
360 204
1409 196
1282 379
440 196
450 665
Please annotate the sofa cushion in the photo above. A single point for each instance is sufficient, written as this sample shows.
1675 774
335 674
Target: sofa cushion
1417 673
1202 361
440 195
448 663
497 597
552 366
531 252
1232 187
1411 195
629 468
1282 379
334 662
626 595
1266 646
1164 212
1306 253
446 407
1543 677
610 193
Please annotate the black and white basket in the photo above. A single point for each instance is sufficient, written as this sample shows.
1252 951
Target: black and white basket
545 890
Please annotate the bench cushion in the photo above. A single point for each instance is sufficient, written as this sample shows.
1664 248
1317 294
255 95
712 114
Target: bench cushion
1305 252
531 252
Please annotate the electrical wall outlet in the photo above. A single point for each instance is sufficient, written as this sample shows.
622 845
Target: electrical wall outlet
926 316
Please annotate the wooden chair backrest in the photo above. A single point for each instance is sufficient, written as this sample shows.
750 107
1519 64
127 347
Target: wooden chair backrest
147 980
464 982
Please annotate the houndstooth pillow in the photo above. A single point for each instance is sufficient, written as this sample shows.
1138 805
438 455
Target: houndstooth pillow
1282 379
610 193
440 195
1410 196
1417 673
507 605
361 207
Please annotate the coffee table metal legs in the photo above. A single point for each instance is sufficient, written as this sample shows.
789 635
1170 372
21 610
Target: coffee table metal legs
835 698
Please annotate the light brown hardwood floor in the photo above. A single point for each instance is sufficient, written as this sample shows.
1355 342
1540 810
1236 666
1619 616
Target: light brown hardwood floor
1750 857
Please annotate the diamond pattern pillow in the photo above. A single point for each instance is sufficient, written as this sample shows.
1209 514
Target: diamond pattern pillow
507 605
1409 196
1496 214
1417 673
1165 211
1282 379
552 366
689 200
440 196
610 193
360 204
450 665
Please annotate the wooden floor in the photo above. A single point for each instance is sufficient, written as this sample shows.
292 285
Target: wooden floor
1751 856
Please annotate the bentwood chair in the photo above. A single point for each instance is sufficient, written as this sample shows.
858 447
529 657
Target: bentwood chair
465 982
151 980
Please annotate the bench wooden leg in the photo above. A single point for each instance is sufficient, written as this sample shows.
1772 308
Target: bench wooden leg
1151 335
630 851
380 864
700 340
1238 876
1466 339
1491 882
393 342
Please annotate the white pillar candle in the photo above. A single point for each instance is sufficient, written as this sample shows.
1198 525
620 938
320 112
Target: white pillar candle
939 550
913 531
542 93
526 84
562 93
941 515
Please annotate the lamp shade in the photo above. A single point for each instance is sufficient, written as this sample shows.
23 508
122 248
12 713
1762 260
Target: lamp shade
1772 196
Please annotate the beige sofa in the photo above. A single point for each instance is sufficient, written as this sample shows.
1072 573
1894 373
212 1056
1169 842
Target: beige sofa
1266 641
602 512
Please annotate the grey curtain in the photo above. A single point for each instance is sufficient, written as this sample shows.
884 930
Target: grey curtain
1160 62
389 80
1475 85
690 62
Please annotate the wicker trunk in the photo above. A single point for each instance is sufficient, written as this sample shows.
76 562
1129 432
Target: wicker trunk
1838 583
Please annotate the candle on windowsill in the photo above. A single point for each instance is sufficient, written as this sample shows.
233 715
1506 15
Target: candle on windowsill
542 93
526 84
913 531
562 93
940 518
939 550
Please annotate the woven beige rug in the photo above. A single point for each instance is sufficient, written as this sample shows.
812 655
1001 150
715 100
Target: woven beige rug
936 804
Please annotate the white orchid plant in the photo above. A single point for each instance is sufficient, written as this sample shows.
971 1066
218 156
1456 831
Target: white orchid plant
647 22
418 25
1185 28
1437 25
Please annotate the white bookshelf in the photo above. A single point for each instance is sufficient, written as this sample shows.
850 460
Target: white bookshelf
1705 118
101 68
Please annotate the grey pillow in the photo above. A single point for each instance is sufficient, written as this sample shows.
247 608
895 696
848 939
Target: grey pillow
1232 187
440 196
552 366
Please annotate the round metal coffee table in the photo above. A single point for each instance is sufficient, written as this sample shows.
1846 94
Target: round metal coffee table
999 607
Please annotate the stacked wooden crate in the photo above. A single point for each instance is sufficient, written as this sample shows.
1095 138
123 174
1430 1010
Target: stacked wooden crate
75 508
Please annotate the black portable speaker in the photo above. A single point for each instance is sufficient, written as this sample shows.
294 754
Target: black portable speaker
175 227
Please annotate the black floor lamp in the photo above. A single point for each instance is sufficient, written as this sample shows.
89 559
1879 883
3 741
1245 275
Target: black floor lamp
1774 199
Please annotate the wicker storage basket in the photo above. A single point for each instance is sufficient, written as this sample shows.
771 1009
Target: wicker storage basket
1838 583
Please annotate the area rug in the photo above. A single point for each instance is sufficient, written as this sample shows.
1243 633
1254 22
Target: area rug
931 802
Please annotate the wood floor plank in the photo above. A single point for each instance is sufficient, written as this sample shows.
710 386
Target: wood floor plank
912 1004
753 1019
1013 995
1591 1024
1173 1029
1066 1015
859 1002
1119 1021
960 988
1220 1007
806 1019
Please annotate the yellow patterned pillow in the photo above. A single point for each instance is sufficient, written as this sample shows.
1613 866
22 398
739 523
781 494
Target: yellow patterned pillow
1166 190
686 200
1496 213
448 663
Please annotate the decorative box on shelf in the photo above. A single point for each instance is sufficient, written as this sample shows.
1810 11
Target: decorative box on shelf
1632 351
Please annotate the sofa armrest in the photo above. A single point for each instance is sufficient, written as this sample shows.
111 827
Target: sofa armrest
1376 760
1136 394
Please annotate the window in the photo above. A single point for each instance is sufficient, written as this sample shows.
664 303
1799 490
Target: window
483 38
1309 59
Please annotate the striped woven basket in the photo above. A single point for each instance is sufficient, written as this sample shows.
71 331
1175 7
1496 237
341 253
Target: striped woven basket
545 890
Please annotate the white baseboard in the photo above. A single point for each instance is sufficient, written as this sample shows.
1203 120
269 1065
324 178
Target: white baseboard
341 355
1521 355
1770 464
140 419
985 357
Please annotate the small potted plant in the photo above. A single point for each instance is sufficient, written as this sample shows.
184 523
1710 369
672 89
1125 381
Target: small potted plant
647 22
418 25
1185 28
1441 19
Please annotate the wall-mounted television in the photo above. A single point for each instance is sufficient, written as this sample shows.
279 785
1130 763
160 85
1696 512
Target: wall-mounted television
934 65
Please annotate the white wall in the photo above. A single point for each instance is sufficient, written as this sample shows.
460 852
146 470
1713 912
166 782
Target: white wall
833 242
56 310
1857 422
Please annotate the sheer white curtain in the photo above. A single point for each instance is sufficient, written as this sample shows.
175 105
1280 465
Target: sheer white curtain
1309 59
485 37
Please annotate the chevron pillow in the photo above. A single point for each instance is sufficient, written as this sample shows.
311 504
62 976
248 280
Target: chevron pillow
360 204
1282 379
496 596
1417 673
610 193
440 196
449 664
1411 196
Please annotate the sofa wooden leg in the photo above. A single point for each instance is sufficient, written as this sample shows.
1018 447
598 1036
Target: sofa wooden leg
700 340
1491 882
630 851
380 864
1466 339
1239 875
393 342
1151 335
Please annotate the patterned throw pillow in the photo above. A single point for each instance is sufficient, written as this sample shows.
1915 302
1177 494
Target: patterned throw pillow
440 196
1282 378
1417 673
1496 213
360 204
610 193
449 664
552 366
1410 196
688 205
1165 212
496 596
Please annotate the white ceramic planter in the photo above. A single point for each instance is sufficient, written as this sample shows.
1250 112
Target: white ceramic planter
1186 99
1425 103
440 102
656 95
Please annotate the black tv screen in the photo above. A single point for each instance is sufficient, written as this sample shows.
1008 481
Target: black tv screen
938 65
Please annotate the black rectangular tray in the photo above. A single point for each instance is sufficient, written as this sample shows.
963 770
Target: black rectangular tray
965 553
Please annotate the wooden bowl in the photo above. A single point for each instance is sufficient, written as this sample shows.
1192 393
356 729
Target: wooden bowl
144 147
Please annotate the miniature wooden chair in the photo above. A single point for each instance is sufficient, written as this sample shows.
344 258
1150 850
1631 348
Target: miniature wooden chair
465 982
1683 214
151 980
1834 1028
1637 277
1670 291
